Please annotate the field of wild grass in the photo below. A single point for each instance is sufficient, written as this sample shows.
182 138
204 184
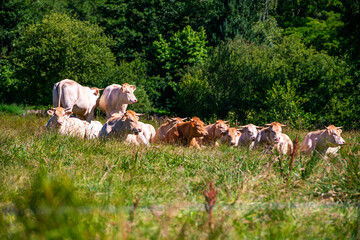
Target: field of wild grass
63 187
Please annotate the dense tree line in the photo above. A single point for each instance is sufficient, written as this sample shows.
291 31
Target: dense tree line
253 61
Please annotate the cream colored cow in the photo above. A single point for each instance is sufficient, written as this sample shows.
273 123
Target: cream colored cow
248 135
116 98
285 145
82 101
144 137
93 129
326 141
64 124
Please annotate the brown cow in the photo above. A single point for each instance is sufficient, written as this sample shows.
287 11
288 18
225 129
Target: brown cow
326 141
185 133
116 98
81 100
215 131
121 125
164 128
230 137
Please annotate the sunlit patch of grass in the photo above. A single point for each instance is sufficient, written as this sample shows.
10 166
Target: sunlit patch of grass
258 197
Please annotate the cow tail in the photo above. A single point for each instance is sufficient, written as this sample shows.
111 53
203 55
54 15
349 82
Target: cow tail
59 87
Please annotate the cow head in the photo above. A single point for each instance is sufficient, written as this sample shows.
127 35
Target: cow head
249 131
128 90
130 118
197 127
220 128
59 115
274 131
333 137
230 136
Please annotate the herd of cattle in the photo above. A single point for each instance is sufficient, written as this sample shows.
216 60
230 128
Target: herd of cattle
70 98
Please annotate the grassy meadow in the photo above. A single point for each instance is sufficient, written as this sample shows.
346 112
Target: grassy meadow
61 187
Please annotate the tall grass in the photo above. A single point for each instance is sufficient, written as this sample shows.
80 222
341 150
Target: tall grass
62 187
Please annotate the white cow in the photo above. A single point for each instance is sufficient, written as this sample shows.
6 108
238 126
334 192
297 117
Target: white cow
82 101
326 141
120 126
64 124
285 145
93 129
248 135
116 98
144 137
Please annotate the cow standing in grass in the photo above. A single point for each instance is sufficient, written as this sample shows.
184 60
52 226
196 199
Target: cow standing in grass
185 133
119 126
325 142
64 124
116 98
82 101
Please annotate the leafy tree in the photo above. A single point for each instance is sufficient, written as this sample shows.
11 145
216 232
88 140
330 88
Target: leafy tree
60 47
185 48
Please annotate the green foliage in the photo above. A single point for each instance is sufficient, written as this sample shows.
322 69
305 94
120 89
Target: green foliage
50 208
57 48
287 82
12 109
8 83
185 48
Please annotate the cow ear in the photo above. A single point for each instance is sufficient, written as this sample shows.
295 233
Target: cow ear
50 112
97 91
241 130
282 125
224 133
133 87
192 122
266 130
68 113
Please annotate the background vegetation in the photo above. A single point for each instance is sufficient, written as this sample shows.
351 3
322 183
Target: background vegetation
254 61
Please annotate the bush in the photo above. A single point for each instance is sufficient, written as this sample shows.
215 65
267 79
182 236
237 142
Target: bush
57 48
287 82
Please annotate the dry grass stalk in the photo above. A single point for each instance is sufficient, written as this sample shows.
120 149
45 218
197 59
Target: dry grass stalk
210 198
294 153
135 205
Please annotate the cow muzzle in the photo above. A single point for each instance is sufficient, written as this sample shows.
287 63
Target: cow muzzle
137 131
